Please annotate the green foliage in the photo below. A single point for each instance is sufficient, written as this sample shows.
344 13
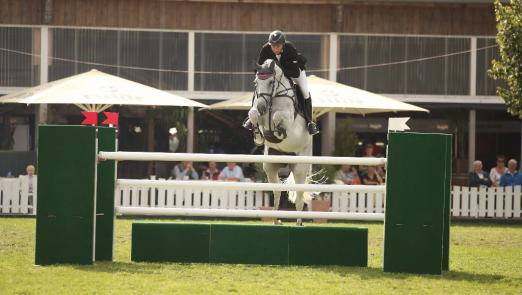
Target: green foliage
509 67
168 117
345 139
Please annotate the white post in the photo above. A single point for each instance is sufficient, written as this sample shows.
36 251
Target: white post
190 86
328 134
328 121
190 130
191 60
41 113
473 68
471 137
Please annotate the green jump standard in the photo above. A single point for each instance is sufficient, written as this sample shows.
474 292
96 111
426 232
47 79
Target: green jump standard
249 244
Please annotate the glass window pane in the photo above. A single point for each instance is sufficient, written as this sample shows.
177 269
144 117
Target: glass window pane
352 55
174 56
134 55
426 76
140 49
383 78
457 66
226 53
17 67
62 46
485 84
367 62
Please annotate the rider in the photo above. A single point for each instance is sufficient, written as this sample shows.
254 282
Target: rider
293 66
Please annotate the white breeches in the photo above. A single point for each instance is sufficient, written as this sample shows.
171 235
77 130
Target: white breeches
303 84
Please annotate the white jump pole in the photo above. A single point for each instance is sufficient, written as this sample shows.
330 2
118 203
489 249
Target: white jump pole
145 156
248 213
250 186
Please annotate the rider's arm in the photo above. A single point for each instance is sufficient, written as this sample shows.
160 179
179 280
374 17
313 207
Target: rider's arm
291 66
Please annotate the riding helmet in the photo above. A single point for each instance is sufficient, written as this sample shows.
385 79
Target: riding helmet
276 37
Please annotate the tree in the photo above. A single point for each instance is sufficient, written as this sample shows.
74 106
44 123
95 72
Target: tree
509 67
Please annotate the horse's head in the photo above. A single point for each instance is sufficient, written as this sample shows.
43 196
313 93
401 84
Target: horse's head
268 76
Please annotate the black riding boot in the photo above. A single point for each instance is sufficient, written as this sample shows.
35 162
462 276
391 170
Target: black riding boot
312 127
247 124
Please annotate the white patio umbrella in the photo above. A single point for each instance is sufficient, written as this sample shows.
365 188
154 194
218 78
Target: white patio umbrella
96 91
329 96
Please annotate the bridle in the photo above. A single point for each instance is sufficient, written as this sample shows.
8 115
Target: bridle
268 97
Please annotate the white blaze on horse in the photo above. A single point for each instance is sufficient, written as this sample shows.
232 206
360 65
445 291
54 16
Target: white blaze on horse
278 125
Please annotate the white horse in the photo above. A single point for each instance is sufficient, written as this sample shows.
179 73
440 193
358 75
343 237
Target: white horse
278 125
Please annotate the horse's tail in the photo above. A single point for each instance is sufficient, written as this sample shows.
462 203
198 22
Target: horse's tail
292 195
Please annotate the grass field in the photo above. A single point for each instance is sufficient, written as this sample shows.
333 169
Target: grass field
485 259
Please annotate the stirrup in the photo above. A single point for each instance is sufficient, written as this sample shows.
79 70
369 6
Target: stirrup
312 128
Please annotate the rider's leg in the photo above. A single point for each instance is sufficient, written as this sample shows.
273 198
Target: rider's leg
302 82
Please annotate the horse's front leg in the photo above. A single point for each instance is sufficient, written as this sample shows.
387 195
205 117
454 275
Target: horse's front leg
273 177
282 121
254 115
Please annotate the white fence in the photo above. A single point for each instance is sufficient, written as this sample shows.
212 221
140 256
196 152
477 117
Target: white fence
486 202
15 196
466 202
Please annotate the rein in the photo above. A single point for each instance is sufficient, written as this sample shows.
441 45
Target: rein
268 97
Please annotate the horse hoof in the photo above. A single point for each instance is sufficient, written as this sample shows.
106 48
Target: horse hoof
278 222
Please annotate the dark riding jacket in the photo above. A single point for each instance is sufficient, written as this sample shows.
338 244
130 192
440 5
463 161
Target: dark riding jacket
291 61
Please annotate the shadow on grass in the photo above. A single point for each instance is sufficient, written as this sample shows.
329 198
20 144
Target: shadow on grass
364 273
373 273
118 267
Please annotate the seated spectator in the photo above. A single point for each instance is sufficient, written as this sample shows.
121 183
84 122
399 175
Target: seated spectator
368 152
231 172
348 175
30 177
372 177
185 171
497 171
512 177
31 186
478 177
211 173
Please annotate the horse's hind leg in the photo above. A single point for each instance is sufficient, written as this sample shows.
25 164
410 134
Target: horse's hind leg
273 177
300 172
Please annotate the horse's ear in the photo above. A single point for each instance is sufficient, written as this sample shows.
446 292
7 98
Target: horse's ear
272 66
256 65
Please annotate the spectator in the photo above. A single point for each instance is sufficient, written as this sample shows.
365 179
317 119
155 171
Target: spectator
211 173
372 177
31 186
231 172
478 177
185 171
512 177
497 171
30 178
173 140
347 175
